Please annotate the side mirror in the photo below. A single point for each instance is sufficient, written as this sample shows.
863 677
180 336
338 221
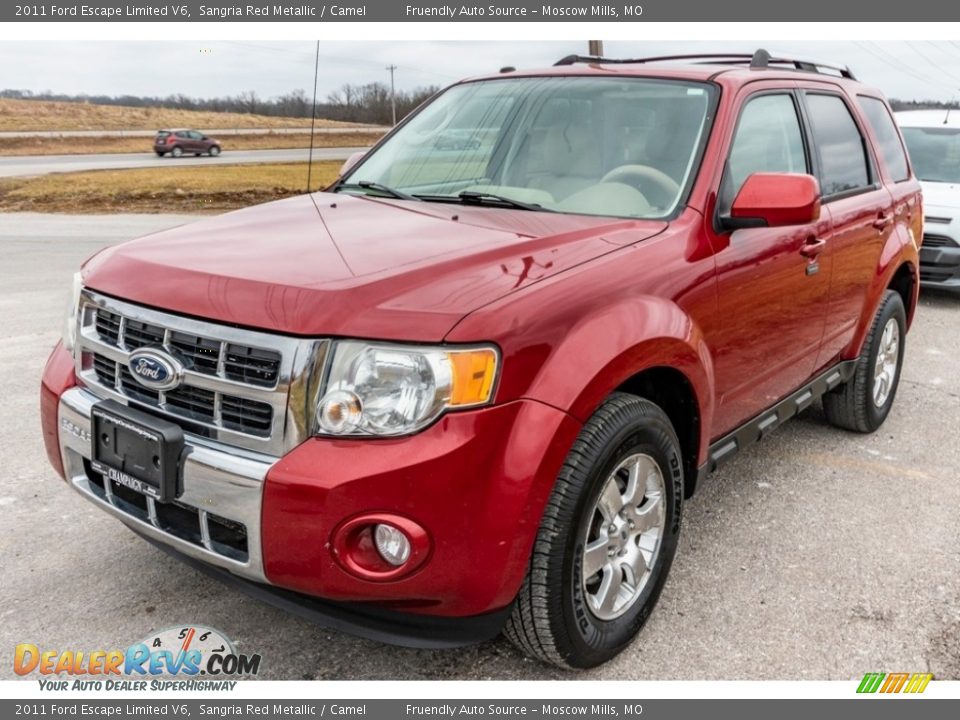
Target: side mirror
351 161
775 200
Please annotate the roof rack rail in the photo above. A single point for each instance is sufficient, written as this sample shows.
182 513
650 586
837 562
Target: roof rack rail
760 60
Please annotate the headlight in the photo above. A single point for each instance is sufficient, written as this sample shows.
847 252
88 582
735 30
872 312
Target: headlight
379 389
70 326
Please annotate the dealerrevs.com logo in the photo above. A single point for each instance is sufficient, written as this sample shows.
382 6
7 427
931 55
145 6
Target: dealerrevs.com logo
186 652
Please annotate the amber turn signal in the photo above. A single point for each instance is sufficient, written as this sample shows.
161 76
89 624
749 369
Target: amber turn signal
474 372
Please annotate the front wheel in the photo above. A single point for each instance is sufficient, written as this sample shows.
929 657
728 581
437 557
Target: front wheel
864 402
214 151
607 539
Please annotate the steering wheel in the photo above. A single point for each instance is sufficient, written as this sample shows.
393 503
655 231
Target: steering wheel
639 176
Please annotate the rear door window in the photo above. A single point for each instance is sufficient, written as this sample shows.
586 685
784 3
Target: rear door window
844 166
888 138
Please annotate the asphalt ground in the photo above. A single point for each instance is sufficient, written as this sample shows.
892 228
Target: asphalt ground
817 555
216 132
32 165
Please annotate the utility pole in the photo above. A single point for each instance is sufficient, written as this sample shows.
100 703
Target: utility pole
393 94
595 48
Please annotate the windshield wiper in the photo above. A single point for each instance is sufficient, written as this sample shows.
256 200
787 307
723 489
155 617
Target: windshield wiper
468 196
385 189
473 196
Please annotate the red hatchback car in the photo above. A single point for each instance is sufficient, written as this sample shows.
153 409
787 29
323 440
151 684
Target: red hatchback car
469 387
184 142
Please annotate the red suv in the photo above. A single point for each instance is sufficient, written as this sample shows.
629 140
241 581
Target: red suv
182 142
469 387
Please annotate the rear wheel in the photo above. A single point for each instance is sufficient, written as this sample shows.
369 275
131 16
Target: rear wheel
177 151
864 402
607 539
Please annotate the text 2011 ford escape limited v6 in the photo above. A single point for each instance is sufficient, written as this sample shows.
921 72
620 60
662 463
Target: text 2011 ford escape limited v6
468 387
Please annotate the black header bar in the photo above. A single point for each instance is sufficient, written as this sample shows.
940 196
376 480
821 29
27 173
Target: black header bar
572 11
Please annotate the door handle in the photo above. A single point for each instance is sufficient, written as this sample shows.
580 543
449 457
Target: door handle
813 247
883 221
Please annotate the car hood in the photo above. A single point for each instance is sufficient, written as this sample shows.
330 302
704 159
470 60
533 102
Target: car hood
342 265
939 194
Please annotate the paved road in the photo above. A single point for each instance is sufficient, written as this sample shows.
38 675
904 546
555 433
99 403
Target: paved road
214 133
818 555
28 165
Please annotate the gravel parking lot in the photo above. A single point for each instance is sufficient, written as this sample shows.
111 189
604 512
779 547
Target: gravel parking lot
818 555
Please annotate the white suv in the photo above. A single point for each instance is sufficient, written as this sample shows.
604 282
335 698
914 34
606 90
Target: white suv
933 139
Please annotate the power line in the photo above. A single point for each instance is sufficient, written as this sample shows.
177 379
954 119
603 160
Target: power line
952 56
939 68
898 65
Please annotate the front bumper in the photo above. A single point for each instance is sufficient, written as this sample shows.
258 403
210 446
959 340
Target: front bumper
395 628
217 484
940 266
477 481
940 251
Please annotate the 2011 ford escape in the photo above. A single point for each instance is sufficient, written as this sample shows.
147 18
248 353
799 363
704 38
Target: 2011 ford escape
469 387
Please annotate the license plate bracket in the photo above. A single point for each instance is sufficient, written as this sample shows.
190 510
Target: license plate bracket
137 450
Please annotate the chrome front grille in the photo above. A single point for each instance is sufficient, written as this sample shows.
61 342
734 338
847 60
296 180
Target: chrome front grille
241 387
242 363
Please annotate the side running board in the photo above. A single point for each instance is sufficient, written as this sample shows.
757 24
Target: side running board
753 431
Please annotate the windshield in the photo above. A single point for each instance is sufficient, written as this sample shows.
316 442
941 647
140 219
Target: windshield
934 153
596 146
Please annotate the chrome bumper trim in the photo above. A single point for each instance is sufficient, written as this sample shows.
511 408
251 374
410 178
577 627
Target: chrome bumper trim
215 481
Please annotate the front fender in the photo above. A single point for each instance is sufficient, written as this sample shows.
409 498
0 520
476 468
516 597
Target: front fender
575 364
609 348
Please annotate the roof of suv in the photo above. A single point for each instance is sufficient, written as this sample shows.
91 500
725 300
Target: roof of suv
735 68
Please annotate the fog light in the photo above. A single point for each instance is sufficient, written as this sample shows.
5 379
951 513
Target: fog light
340 412
392 544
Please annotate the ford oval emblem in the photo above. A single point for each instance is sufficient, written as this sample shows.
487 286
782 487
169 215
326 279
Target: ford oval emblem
155 369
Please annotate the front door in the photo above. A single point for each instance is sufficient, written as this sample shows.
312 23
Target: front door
772 283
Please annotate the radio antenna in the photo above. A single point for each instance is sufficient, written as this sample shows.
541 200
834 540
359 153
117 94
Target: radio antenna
313 115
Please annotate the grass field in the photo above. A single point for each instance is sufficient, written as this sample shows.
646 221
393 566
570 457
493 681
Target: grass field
26 115
154 190
92 145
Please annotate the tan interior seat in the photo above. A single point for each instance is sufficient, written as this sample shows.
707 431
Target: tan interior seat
563 160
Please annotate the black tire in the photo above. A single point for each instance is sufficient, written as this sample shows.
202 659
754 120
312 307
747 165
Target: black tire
852 406
214 150
177 151
552 619
160 154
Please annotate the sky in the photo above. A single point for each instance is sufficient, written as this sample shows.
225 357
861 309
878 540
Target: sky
903 70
